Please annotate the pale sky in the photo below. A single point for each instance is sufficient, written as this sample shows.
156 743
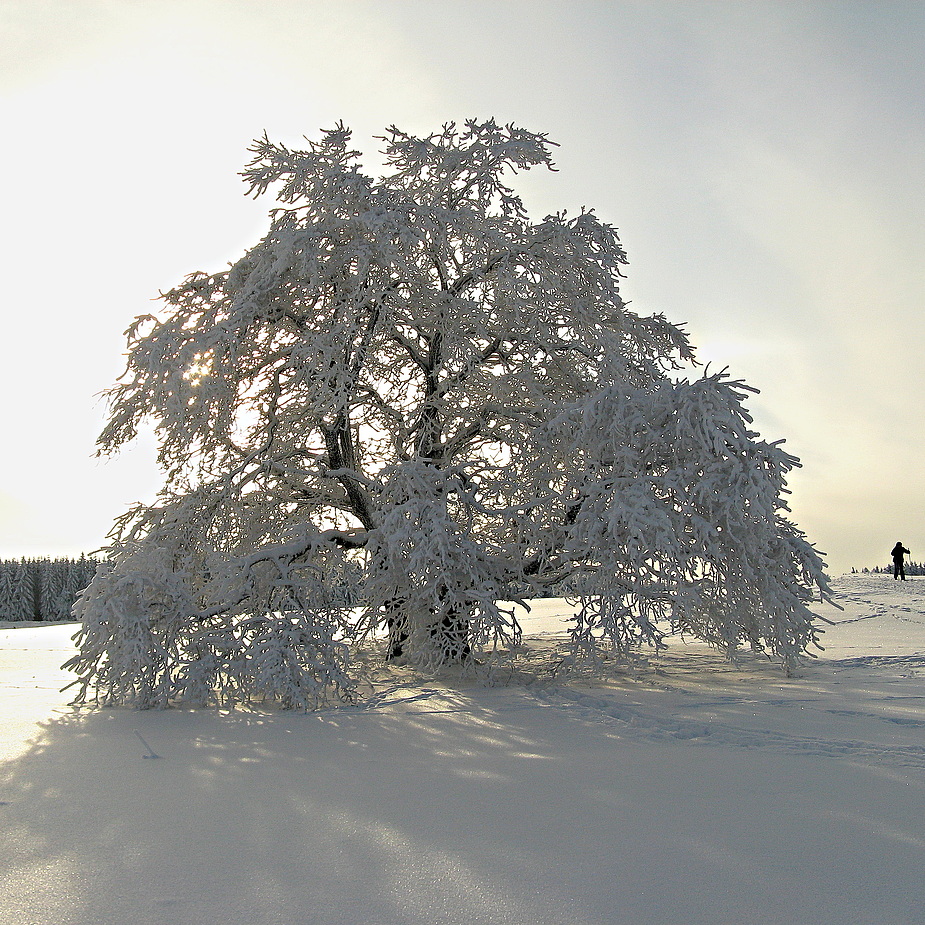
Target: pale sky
764 162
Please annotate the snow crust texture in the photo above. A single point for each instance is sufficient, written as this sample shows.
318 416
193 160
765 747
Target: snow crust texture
685 789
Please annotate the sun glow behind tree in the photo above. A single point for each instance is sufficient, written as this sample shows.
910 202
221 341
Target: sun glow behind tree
407 404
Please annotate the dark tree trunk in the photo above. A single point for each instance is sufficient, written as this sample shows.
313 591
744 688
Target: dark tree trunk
397 623
452 635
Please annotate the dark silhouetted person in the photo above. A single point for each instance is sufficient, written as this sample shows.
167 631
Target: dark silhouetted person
898 552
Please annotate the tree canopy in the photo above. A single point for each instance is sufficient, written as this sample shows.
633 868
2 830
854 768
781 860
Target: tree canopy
406 407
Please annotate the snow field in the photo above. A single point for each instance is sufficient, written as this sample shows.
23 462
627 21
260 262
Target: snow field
684 790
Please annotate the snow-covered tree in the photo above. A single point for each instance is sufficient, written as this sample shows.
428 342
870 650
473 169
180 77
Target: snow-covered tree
42 589
8 609
410 389
24 584
52 576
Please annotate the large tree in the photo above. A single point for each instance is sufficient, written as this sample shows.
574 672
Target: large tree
407 405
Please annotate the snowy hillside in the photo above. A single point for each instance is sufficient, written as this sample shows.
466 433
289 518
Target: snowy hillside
686 790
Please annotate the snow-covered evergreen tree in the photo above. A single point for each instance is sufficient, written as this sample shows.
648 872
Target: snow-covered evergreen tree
23 593
411 385
51 585
59 590
42 589
80 573
7 608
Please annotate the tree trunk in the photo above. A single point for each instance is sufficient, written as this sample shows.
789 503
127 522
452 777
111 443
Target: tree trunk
451 635
397 622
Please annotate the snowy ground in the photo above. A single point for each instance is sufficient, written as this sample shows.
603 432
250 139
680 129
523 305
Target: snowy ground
686 791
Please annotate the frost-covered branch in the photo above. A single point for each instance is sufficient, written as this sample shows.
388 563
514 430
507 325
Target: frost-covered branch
408 403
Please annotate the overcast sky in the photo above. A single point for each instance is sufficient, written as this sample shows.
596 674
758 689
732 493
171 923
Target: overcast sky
764 162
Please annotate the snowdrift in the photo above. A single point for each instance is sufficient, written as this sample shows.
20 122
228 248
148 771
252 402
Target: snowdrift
684 790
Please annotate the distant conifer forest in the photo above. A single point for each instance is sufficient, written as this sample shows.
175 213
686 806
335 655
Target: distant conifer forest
42 589
910 568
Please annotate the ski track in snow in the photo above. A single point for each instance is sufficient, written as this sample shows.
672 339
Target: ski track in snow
652 726
681 788
642 726
882 661
823 693
686 704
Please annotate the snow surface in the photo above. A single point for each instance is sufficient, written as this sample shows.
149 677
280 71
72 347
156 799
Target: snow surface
685 790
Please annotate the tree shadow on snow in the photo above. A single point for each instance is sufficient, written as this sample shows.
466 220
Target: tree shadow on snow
449 802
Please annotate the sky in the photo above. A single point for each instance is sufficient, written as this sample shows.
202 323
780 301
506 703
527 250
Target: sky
763 162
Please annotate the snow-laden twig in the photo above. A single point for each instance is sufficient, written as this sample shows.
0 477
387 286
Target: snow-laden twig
407 403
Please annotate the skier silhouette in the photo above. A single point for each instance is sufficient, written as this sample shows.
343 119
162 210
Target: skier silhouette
898 552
